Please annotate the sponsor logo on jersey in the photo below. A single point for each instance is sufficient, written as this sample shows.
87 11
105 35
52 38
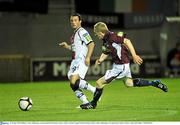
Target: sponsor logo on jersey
87 37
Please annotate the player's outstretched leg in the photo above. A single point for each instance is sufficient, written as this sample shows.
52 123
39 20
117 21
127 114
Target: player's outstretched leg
156 83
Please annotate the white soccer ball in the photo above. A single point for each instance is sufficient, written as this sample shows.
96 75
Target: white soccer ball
25 103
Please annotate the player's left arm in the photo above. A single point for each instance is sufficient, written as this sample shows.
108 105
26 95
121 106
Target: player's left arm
86 38
89 53
136 58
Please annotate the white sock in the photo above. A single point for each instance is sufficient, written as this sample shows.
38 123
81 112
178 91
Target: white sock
81 96
85 85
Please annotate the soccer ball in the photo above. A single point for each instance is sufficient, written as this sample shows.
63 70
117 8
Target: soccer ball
25 103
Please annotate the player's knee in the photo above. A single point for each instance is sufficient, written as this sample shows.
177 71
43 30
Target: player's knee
129 83
73 79
75 86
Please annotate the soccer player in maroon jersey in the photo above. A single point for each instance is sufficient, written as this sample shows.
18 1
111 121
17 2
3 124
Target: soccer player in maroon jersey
118 48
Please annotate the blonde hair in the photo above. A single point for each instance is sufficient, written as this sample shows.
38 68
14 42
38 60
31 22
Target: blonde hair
101 27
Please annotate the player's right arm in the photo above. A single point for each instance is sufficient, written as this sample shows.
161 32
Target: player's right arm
136 58
101 59
65 45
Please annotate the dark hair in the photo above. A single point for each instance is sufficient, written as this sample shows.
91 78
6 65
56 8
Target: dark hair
78 15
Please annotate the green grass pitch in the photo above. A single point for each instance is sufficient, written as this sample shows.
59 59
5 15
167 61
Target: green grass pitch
55 101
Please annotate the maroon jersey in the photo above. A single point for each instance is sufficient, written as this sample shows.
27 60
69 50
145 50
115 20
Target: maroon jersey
72 41
113 46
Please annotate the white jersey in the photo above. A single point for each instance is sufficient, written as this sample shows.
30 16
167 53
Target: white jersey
79 42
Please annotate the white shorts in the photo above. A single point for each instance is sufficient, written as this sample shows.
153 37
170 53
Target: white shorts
117 72
78 67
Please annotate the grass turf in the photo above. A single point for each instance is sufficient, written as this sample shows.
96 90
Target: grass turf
54 101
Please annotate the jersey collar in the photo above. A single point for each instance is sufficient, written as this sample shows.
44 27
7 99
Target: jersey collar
77 29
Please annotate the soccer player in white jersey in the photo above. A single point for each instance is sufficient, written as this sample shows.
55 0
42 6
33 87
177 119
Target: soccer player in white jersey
82 47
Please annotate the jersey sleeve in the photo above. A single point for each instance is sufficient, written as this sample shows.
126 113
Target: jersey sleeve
85 36
117 39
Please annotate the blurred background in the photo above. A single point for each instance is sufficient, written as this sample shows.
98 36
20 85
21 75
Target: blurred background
30 31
